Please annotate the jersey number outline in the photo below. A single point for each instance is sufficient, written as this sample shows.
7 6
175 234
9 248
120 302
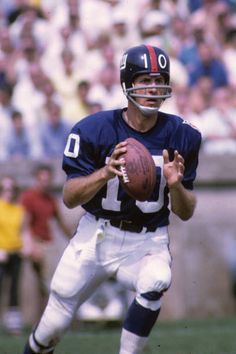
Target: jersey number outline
72 146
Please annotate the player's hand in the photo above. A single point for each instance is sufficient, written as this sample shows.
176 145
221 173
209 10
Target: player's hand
173 170
112 168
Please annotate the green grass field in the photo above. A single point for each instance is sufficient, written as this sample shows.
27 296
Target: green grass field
212 336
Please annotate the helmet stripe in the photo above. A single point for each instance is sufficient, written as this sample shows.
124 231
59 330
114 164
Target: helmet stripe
153 58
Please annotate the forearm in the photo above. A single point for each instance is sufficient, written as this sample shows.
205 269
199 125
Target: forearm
80 190
183 202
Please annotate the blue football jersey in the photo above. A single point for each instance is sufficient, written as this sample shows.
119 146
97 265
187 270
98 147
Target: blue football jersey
91 143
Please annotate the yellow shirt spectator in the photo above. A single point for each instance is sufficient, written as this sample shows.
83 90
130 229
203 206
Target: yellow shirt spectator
10 237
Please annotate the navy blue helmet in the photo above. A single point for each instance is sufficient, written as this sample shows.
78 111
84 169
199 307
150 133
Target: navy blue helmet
144 59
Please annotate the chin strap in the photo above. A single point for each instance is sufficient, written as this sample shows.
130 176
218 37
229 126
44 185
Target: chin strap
131 95
146 111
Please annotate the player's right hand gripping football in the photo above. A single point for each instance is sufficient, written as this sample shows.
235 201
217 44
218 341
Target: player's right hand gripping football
112 168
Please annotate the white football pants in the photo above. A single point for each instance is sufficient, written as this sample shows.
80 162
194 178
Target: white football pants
141 262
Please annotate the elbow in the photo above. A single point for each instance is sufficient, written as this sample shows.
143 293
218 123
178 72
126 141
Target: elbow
188 214
184 208
184 215
69 196
69 200
68 203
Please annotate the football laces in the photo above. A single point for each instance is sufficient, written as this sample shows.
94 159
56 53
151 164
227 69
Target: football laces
124 174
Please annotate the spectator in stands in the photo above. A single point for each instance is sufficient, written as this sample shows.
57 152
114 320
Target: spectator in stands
53 131
219 124
63 36
194 5
186 38
13 228
205 20
210 65
16 9
232 90
176 7
31 45
42 207
229 54
107 88
18 143
48 90
6 7
199 100
29 85
8 56
6 109
197 105
6 106
122 32
206 87
94 107
181 106
30 21
223 20
153 28
93 30
100 53
181 34
28 54
65 79
80 106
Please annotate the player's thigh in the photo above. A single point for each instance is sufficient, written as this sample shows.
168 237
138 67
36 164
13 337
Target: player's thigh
152 272
76 276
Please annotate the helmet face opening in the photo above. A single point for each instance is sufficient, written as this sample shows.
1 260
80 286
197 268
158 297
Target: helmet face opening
149 60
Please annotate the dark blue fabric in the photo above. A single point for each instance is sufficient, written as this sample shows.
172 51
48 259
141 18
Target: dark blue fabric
140 320
28 350
91 143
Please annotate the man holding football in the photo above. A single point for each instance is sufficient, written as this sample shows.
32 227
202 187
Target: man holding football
119 235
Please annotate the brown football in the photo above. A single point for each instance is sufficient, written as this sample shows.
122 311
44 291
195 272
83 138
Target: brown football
139 172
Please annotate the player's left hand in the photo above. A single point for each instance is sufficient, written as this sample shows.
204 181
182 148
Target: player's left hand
173 170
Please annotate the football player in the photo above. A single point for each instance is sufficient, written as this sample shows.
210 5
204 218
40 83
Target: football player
118 235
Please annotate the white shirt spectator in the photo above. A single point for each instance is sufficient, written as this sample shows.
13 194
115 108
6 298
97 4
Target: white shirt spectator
28 100
107 90
219 124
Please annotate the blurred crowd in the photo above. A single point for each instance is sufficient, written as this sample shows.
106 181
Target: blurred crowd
59 61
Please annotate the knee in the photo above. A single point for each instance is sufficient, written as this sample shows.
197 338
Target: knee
154 282
150 300
65 306
150 289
